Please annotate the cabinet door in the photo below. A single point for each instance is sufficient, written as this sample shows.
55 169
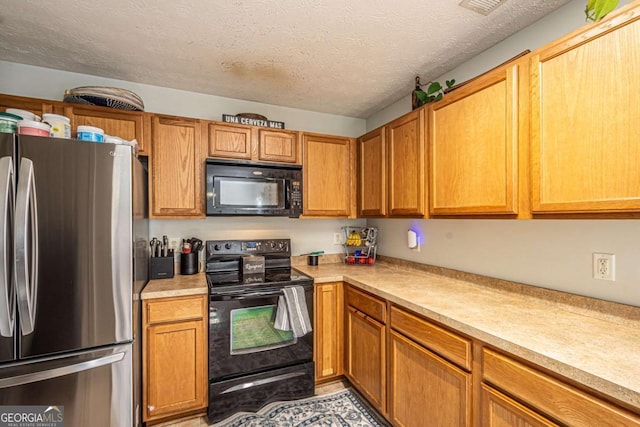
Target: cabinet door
406 165
425 389
550 395
176 168
174 373
124 124
473 147
372 181
585 151
234 142
329 321
34 105
175 381
277 146
365 356
500 411
328 165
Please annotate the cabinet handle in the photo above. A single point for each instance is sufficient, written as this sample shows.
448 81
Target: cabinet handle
358 313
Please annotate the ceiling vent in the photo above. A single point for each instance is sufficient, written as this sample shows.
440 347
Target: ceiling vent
483 7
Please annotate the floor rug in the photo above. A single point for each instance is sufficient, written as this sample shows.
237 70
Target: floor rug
340 409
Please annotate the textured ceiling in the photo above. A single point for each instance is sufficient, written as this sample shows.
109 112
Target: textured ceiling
346 57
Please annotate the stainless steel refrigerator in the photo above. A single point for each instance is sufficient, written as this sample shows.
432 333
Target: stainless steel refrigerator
73 260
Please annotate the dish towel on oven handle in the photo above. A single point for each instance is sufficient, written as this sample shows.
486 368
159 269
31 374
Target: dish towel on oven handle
292 313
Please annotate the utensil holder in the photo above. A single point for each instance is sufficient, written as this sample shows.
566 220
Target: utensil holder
189 263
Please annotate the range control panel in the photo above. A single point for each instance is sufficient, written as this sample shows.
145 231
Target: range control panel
249 247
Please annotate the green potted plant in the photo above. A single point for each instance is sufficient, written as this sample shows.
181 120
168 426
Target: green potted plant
435 92
598 9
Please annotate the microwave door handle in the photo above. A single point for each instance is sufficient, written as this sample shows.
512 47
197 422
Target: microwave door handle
287 195
7 288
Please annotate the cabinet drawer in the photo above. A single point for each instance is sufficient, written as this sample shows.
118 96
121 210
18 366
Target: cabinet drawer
174 309
369 305
551 396
449 345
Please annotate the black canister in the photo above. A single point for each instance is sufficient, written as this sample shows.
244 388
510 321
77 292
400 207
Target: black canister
312 260
189 263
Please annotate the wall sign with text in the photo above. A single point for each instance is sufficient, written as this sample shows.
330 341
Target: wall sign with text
239 120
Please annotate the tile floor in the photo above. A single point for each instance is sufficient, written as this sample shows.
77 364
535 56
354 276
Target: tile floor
198 421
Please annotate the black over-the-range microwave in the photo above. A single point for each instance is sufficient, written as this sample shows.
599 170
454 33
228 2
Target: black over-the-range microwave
251 188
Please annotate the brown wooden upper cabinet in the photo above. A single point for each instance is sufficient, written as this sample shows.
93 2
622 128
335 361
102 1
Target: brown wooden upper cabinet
473 146
176 168
585 152
278 146
406 160
252 143
34 105
372 178
328 168
125 124
230 141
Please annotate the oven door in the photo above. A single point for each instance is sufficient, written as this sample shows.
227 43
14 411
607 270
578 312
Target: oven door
242 339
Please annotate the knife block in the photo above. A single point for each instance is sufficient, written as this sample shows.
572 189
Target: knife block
161 267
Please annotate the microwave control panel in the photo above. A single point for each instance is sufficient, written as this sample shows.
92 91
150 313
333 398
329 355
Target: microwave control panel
296 194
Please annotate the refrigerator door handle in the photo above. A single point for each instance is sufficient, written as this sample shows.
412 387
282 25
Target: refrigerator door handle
7 288
26 246
33 377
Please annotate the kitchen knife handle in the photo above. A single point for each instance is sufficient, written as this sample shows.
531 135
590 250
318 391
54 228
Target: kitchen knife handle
7 288
25 246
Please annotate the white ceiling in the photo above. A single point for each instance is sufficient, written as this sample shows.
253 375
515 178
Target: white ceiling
346 57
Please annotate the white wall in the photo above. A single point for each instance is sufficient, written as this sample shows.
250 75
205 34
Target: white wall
562 21
307 235
38 82
555 254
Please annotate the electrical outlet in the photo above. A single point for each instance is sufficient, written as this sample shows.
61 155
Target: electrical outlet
174 243
604 266
337 238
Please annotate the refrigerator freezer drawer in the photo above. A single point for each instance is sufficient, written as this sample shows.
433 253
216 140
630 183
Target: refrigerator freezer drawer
95 388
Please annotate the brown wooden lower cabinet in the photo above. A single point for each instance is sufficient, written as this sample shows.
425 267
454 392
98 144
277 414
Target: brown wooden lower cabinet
550 396
424 389
328 331
174 366
500 411
427 376
365 356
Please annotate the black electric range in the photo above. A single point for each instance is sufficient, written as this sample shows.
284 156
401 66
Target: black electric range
251 363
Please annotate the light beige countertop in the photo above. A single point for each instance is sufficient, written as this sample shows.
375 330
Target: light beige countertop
593 342
177 286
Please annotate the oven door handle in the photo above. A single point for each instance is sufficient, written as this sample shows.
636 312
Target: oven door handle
243 295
